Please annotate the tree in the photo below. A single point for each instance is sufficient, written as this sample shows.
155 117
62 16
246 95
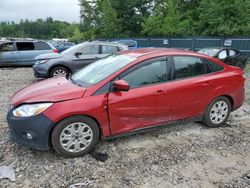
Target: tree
166 20
109 26
224 17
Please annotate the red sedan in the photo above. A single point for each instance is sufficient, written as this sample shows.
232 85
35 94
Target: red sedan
124 93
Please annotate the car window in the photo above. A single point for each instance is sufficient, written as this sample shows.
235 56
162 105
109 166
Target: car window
222 54
42 46
23 46
90 49
232 53
147 74
7 46
188 67
214 66
109 49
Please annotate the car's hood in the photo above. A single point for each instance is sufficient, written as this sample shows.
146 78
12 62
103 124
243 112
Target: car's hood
49 56
50 90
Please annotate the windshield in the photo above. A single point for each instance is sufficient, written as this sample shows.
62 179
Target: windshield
211 52
73 49
101 69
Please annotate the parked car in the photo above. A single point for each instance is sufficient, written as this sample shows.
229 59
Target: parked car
132 44
22 53
125 93
227 55
73 59
61 46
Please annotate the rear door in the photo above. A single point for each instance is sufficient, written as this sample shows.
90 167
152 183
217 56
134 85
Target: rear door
146 103
190 86
89 54
8 54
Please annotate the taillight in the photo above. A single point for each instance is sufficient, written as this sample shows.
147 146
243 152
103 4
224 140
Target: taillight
56 50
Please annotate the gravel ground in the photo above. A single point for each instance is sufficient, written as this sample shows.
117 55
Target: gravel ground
189 155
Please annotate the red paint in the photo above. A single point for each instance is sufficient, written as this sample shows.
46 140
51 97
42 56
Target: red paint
121 85
52 90
120 112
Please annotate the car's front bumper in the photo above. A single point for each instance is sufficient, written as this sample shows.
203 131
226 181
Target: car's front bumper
41 70
38 126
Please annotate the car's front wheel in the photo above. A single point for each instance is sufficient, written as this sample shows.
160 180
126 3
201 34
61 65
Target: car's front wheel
75 136
217 112
59 71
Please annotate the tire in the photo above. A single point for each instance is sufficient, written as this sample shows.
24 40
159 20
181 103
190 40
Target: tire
217 112
59 71
68 139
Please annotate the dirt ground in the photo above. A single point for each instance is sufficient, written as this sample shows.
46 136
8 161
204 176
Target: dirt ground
188 155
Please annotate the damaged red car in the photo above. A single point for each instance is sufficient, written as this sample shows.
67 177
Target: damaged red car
125 93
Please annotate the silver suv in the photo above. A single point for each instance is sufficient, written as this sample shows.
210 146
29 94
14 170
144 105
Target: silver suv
74 58
22 53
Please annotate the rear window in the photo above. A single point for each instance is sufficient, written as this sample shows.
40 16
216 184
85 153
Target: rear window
109 49
42 46
23 46
214 66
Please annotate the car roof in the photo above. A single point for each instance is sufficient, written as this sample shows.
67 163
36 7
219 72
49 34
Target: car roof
154 52
23 41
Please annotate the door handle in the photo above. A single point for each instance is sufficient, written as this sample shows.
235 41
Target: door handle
206 83
160 92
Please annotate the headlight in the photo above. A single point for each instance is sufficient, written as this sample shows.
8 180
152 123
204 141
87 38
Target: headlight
43 61
28 110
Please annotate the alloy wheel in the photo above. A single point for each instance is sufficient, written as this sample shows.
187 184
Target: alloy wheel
219 112
59 72
76 137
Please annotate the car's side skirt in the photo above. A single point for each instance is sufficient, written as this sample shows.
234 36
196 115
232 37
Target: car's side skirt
155 127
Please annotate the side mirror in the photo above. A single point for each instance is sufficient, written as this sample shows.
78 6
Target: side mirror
78 53
121 85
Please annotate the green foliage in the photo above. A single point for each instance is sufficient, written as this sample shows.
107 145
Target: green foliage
224 17
141 18
41 29
167 20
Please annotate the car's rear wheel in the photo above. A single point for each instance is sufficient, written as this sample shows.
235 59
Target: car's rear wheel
217 112
75 136
59 71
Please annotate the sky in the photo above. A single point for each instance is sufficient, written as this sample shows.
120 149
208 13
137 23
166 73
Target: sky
64 10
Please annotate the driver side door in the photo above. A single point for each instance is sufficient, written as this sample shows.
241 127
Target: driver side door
146 103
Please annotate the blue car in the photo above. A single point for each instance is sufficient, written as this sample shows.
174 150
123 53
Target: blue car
23 53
